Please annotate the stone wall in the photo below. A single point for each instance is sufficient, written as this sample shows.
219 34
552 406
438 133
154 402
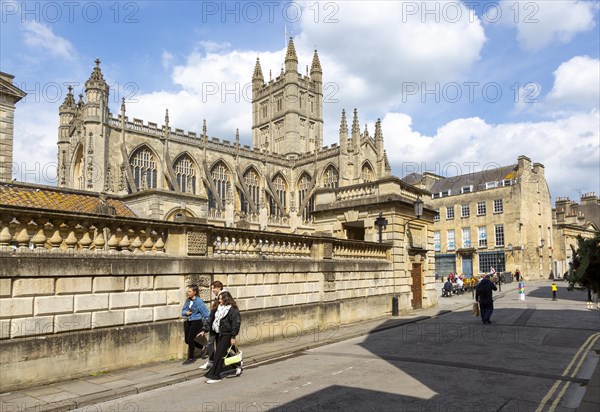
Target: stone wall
72 311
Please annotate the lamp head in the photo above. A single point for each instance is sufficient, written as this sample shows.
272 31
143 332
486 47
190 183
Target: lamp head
418 207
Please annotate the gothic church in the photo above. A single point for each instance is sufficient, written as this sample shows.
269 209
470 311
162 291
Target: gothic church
165 173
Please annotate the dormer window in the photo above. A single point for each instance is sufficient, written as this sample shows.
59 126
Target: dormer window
491 185
466 189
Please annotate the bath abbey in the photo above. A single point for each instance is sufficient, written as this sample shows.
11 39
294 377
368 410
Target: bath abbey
164 172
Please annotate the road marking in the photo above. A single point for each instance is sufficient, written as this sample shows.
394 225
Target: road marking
296 387
581 354
343 370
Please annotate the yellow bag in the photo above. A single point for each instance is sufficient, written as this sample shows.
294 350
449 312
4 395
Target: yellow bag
233 356
475 309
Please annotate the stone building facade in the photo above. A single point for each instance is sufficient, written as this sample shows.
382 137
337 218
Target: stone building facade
9 96
164 172
571 220
500 218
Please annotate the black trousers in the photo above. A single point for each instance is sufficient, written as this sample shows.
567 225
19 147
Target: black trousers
211 347
191 328
223 343
486 310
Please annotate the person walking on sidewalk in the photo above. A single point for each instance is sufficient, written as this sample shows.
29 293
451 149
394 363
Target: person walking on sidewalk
217 287
554 290
226 322
196 313
483 295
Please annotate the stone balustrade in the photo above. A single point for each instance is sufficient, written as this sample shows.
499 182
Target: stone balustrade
259 246
34 232
359 250
356 192
24 231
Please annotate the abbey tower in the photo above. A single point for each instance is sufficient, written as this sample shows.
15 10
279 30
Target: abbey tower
287 112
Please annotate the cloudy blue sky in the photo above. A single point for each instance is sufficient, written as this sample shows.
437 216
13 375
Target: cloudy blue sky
459 85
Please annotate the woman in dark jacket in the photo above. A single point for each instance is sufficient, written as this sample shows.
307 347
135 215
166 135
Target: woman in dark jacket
226 322
195 311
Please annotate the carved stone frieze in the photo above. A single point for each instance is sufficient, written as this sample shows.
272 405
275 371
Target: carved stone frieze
197 243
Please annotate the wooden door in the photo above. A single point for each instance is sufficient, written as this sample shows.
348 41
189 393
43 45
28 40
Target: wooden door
416 288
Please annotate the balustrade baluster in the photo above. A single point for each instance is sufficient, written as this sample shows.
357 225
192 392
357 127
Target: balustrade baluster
56 240
86 241
71 241
244 247
160 244
125 242
113 240
235 249
217 245
39 240
227 245
5 238
137 244
252 248
149 243
99 241
260 248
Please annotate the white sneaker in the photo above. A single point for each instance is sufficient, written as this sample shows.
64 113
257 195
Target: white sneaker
213 381
238 371
207 365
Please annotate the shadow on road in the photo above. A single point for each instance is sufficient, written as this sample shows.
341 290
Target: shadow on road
454 362
561 294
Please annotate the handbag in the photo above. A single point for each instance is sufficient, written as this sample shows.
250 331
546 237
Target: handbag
201 340
233 356
475 309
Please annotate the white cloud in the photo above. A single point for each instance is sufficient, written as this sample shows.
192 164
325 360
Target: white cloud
568 147
42 39
384 44
577 82
33 121
542 22
215 85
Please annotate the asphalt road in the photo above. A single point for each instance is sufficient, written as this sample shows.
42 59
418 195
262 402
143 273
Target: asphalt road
534 357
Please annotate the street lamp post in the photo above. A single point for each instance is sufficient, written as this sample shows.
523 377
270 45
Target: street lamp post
381 224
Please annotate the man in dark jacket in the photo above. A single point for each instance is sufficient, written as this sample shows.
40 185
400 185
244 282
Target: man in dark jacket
483 295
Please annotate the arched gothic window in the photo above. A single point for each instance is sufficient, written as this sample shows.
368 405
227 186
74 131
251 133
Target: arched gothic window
222 182
303 191
252 179
186 175
143 166
78 179
366 173
280 188
331 177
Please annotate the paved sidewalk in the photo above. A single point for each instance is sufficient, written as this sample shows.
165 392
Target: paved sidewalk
90 390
